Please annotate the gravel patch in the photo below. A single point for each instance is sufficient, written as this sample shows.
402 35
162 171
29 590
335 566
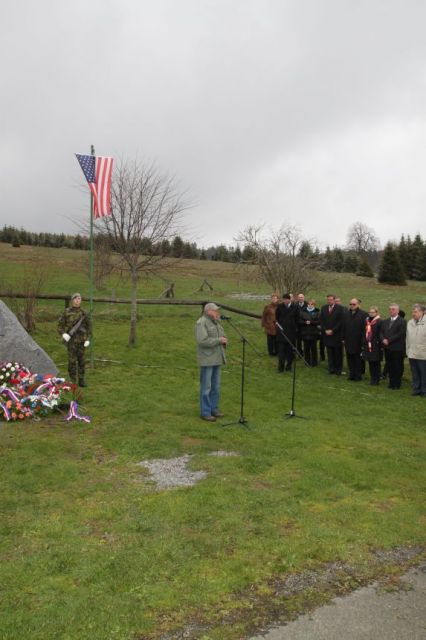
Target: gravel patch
173 472
398 555
224 454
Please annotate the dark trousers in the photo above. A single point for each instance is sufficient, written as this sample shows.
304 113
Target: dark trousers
335 359
285 355
271 343
322 348
76 360
299 344
355 366
395 367
310 352
418 375
375 370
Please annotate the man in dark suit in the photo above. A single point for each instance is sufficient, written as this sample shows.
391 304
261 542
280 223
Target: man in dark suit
353 331
301 305
392 337
286 317
331 320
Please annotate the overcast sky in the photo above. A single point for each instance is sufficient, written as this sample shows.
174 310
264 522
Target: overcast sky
305 112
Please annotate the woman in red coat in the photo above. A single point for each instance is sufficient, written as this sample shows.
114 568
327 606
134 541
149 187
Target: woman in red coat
371 345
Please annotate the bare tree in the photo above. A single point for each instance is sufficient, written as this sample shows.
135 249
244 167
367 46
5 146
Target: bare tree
103 260
31 283
147 208
362 238
280 259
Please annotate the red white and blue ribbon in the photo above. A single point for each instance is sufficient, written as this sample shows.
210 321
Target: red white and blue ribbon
12 395
73 413
5 411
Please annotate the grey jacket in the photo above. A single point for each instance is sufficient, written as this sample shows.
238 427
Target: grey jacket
416 339
210 351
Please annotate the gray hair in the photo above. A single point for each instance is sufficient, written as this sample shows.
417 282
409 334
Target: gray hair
419 307
394 304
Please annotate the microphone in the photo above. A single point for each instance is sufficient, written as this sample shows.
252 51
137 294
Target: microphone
225 317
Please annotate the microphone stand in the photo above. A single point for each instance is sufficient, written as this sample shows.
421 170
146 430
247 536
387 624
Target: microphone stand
292 412
241 420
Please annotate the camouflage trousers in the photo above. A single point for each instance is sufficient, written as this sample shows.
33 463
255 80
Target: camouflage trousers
76 360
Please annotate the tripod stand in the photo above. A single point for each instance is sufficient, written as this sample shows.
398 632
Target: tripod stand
241 420
296 353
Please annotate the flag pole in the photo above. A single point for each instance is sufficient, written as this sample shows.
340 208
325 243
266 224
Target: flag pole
92 355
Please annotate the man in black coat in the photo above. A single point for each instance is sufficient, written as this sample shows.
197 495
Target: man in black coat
331 320
286 317
301 305
353 331
392 337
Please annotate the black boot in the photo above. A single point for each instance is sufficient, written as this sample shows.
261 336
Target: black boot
81 383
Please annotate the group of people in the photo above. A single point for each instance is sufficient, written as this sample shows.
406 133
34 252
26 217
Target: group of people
294 328
297 327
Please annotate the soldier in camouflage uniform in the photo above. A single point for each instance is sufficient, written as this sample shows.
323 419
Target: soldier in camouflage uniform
75 328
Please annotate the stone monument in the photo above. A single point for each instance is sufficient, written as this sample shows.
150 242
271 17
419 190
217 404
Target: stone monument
16 345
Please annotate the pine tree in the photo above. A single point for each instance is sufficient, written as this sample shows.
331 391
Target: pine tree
364 269
421 264
404 249
351 263
416 257
390 269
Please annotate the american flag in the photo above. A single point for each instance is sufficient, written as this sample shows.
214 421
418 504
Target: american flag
97 171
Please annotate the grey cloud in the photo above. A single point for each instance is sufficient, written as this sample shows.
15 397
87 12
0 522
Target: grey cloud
264 109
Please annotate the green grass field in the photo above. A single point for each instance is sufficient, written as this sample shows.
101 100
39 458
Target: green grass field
90 550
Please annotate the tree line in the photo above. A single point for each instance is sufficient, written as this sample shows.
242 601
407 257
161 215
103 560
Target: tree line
397 263
174 248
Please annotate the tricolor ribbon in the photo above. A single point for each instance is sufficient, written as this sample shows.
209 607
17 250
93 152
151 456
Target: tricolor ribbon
15 397
5 411
73 413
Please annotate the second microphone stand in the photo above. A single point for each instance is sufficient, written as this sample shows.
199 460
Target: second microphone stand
241 420
296 353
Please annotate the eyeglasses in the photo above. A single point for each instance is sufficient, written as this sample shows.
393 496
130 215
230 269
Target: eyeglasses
353 304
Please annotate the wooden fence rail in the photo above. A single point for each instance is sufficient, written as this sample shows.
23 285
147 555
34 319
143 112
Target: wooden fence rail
167 301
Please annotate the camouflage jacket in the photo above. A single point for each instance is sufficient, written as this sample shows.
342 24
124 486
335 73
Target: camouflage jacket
69 318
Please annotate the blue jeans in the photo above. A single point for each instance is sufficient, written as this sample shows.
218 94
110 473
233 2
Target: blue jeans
418 373
209 389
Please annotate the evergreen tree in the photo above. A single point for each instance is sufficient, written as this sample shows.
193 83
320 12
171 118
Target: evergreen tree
235 254
328 260
404 255
15 241
416 257
390 270
338 259
177 247
421 264
351 263
165 248
221 253
305 250
364 269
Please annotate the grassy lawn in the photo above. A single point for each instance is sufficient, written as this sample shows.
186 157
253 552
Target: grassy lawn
89 548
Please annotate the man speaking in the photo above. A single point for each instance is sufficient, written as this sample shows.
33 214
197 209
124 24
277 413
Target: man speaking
211 344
